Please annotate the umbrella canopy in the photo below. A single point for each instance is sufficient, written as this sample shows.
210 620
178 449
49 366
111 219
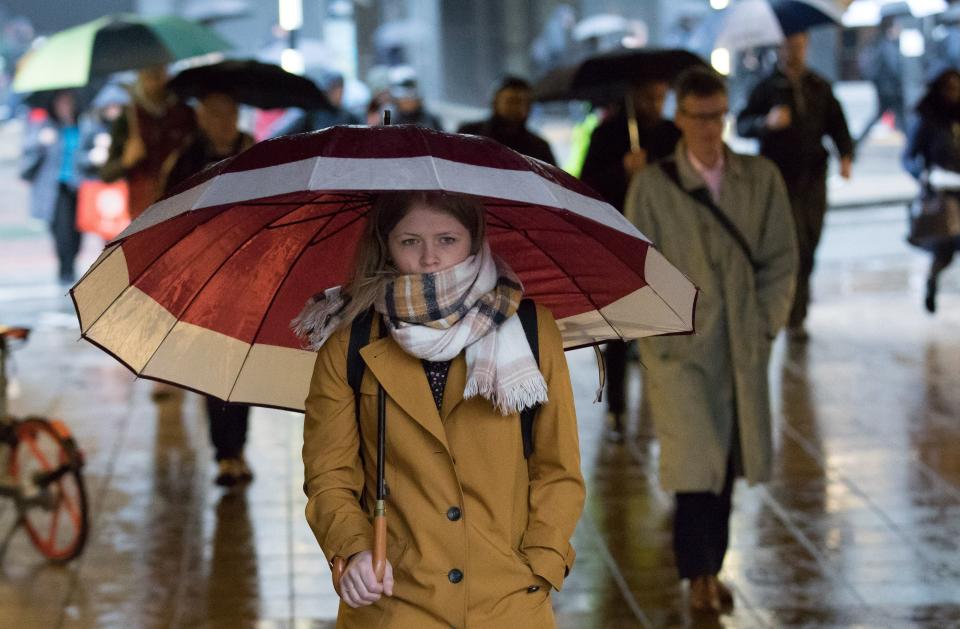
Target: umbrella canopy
757 23
112 44
797 16
200 290
604 77
250 82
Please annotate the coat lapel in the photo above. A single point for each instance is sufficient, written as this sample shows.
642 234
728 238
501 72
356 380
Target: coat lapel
456 383
404 380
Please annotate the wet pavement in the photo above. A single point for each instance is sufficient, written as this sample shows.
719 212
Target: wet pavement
859 527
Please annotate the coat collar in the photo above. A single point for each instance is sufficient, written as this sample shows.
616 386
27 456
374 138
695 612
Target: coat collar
689 176
404 380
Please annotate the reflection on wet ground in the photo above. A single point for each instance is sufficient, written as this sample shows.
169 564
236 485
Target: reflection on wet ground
859 527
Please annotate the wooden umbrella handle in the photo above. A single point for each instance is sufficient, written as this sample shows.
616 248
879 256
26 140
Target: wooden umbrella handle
339 565
379 550
380 541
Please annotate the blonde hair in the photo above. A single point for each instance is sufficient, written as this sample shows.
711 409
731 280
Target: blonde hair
373 268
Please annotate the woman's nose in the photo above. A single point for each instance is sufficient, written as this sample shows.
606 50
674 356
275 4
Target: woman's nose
428 256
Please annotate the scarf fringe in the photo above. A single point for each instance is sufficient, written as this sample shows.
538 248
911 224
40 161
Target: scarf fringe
525 394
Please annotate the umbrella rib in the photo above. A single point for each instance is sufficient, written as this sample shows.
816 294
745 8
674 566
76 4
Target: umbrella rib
200 290
133 281
276 292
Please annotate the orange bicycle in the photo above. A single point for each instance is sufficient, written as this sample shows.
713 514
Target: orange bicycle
41 472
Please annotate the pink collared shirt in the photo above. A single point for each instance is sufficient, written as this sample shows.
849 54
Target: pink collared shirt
713 177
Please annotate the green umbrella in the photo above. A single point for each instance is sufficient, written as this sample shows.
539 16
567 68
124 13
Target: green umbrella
112 44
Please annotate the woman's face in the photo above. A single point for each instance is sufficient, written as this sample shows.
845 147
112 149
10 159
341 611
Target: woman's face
428 240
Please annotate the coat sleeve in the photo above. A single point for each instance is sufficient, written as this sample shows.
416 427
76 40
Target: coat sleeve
752 123
776 254
333 474
556 484
113 169
639 207
914 157
837 125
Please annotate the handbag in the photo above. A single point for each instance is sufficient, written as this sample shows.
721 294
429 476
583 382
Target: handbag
933 217
103 208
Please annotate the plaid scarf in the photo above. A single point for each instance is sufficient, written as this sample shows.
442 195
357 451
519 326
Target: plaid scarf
472 307
435 316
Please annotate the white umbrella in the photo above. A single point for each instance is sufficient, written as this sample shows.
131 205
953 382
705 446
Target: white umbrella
749 24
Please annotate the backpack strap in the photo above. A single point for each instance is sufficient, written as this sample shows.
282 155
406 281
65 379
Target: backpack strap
702 196
528 318
360 336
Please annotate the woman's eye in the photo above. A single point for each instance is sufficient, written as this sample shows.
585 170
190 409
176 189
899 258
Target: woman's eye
447 240
408 242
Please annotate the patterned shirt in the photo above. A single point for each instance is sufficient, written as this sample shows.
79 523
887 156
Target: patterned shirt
437 377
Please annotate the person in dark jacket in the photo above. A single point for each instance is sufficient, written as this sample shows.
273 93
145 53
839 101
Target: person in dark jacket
934 142
508 124
608 167
49 161
790 112
217 138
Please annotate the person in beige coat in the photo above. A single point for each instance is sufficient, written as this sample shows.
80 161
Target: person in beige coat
478 534
708 392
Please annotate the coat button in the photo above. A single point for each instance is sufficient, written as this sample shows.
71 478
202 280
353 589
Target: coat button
453 514
455 576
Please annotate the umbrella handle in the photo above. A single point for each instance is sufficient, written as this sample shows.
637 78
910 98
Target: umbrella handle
632 122
380 541
339 565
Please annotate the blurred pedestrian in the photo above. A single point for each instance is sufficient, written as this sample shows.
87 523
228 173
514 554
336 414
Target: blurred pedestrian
296 120
408 107
150 128
508 123
934 143
790 112
216 138
49 161
478 534
608 167
724 220
882 63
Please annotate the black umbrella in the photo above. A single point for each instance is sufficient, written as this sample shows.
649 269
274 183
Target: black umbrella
262 85
604 78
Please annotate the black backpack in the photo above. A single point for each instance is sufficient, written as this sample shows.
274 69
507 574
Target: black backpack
360 336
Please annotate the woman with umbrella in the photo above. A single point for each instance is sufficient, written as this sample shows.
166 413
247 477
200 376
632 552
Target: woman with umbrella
479 534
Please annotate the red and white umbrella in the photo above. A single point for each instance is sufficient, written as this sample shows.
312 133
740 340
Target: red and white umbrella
200 290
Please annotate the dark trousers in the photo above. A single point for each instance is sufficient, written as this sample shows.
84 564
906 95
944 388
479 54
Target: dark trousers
228 427
808 200
701 529
615 357
942 257
63 227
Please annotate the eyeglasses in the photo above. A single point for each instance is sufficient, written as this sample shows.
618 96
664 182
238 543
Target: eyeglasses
706 117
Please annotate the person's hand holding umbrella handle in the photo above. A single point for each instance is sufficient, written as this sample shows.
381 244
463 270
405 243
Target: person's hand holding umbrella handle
363 579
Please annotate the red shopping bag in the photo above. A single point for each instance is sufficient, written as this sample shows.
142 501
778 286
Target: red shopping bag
102 208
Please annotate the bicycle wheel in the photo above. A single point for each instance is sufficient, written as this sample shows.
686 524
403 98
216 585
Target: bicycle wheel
47 464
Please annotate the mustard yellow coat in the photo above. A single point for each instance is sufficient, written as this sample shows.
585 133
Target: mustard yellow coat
462 496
